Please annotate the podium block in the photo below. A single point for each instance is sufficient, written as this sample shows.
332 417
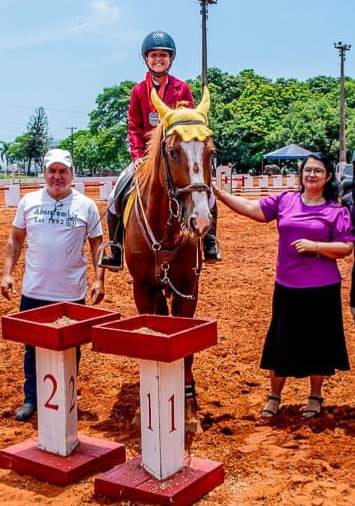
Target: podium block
38 327
162 475
59 455
130 481
56 392
162 416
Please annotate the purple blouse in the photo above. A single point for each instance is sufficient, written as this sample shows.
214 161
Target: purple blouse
327 222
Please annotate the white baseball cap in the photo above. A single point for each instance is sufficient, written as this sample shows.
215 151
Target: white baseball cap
58 156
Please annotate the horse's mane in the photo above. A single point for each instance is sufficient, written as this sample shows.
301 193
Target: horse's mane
149 168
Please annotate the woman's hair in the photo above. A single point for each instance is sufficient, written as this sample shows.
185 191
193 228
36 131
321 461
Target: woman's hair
331 188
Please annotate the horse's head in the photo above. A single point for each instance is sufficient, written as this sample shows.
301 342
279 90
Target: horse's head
187 149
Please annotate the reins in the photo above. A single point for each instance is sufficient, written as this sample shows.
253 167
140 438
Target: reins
163 258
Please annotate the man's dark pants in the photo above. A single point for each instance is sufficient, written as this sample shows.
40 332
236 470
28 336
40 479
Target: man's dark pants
30 387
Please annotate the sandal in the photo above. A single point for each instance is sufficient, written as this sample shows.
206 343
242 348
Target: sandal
271 408
313 408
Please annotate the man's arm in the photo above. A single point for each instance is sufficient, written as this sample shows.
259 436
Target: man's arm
97 289
13 250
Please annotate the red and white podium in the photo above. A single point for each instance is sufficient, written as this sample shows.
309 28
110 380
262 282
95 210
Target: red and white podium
59 455
162 475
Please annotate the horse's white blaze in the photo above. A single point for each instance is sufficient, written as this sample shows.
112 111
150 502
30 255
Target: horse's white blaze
194 153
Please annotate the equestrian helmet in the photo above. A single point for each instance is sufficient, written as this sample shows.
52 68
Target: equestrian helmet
158 40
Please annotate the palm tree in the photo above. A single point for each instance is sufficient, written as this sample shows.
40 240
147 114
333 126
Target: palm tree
4 150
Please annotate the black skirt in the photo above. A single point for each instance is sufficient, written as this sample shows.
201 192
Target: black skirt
306 334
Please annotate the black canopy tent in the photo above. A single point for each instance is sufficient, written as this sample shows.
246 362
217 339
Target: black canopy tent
289 152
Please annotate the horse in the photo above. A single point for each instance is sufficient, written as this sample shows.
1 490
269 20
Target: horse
170 215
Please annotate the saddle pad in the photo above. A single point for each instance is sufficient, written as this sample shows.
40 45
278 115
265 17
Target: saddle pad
128 207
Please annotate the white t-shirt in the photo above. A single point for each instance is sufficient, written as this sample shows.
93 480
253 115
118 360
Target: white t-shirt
55 265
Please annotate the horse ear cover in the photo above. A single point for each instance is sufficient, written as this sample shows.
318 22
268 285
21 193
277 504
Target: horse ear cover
188 132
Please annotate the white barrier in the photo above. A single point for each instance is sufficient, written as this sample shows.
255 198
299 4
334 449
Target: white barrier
248 181
264 181
105 190
291 181
277 181
224 170
80 187
12 195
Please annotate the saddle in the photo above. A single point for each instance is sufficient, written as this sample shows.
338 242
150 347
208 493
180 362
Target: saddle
124 187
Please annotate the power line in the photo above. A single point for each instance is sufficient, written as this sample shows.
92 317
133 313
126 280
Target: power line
72 128
17 106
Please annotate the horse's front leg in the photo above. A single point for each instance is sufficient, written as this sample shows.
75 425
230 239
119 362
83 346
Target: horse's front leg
186 308
143 297
149 299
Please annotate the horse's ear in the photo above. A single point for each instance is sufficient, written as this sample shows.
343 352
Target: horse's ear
204 105
162 108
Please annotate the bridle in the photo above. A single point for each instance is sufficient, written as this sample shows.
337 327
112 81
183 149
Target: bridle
175 207
164 257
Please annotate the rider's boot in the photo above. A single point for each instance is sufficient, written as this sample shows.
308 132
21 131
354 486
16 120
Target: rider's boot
210 241
115 232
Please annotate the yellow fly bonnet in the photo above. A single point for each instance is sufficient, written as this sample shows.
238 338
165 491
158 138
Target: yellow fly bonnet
189 123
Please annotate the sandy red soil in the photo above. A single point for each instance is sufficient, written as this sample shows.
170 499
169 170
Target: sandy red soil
286 462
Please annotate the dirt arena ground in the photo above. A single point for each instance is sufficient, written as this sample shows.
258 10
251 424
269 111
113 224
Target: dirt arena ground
289 462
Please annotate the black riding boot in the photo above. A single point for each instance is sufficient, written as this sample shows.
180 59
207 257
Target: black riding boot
210 242
115 233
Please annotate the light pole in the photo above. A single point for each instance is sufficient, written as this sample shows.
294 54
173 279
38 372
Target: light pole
204 14
342 48
72 139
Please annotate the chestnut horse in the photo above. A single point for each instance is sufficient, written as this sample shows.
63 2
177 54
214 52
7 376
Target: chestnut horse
171 214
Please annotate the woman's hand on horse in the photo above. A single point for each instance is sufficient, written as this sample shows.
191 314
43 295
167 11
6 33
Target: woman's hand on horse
216 190
97 292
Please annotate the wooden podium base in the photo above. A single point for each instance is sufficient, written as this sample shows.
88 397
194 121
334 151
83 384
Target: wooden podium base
130 481
92 455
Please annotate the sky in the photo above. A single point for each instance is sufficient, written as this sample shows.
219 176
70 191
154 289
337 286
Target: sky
60 54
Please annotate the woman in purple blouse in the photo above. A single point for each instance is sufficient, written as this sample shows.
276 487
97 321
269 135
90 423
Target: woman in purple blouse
306 336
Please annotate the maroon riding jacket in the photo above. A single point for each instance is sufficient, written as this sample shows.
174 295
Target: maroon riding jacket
140 109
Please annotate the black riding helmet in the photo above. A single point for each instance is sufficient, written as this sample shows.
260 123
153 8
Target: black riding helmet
158 40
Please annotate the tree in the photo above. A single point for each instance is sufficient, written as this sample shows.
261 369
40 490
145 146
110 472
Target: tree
112 107
17 151
38 138
4 153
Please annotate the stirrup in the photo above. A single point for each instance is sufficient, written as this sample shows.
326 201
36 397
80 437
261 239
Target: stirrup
116 248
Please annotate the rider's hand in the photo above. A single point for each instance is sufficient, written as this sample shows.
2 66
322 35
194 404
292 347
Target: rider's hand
97 292
7 286
138 162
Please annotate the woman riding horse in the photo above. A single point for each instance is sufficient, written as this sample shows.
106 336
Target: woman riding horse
158 51
168 214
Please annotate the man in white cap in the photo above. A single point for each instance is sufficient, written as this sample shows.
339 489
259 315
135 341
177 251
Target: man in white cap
55 221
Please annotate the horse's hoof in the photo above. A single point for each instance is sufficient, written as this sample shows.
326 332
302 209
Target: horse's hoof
193 426
136 420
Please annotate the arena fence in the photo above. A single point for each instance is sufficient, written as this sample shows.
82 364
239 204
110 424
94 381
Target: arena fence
99 188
